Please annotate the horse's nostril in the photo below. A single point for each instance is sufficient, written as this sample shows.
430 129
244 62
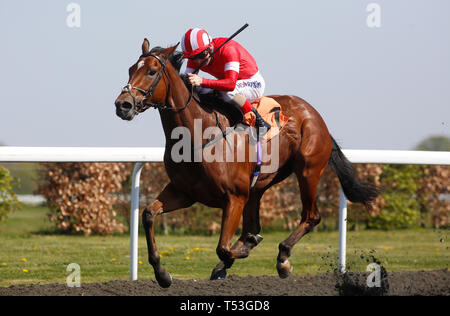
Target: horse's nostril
124 105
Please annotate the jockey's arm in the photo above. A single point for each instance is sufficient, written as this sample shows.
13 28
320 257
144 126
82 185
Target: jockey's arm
231 72
227 84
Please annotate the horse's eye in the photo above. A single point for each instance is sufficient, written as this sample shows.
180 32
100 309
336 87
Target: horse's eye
152 72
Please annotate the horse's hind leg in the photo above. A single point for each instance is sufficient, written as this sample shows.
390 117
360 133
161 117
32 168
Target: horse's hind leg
310 167
249 239
251 227
168 200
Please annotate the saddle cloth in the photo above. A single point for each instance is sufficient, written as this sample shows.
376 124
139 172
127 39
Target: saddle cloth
270 111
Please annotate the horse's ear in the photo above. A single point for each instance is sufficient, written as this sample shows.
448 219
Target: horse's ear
169 51
145 47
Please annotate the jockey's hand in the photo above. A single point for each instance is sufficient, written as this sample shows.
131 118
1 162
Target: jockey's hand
194 80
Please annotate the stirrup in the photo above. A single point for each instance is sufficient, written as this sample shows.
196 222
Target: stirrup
262 125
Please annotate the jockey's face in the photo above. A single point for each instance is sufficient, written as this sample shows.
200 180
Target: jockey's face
199 58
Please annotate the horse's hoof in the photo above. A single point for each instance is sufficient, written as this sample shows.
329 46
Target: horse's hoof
254 239
259 238
164 278
284 269
219 272
219 275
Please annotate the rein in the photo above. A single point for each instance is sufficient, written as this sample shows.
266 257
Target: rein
143 105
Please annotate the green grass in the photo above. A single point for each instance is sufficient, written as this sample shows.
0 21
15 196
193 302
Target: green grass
31 253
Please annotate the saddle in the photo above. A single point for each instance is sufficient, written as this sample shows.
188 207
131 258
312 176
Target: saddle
268 108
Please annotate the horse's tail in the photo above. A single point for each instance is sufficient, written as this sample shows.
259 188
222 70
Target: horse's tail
355 190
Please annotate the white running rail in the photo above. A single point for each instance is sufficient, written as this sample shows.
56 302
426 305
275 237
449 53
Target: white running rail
156 154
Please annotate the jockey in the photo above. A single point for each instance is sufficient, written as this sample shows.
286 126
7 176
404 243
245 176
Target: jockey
238 79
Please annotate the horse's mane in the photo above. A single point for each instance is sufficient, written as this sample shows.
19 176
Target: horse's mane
176 59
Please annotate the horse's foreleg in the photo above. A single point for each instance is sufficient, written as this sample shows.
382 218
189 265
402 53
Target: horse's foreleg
168 200
230 221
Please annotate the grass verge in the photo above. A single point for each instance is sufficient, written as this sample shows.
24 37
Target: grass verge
32 253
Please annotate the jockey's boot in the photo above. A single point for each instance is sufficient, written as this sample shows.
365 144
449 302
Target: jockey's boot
262 125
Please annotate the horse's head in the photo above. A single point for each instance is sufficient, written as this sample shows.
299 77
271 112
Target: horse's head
148 83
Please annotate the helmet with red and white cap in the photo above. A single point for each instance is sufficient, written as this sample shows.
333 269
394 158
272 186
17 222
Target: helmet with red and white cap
194 42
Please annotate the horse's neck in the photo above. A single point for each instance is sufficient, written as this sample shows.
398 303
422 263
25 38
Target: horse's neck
183 116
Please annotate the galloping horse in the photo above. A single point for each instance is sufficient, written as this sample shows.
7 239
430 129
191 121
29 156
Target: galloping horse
305 148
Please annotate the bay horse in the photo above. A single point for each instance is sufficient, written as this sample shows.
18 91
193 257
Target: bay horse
305 148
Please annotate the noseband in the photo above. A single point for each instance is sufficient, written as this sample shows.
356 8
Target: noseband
142 105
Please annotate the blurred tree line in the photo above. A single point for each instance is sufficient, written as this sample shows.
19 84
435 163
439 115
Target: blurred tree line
8 198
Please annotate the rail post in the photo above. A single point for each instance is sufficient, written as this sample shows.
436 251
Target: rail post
134 220
342 231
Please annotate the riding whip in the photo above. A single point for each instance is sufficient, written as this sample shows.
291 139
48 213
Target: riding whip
229 39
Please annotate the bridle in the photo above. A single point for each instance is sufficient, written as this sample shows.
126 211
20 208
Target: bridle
142 105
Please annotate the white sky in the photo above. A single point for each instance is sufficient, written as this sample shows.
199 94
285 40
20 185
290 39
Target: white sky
376 88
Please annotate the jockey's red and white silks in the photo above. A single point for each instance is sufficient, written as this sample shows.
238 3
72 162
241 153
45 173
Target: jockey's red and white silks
231 63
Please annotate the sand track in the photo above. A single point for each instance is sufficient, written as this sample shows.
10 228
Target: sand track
404 283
